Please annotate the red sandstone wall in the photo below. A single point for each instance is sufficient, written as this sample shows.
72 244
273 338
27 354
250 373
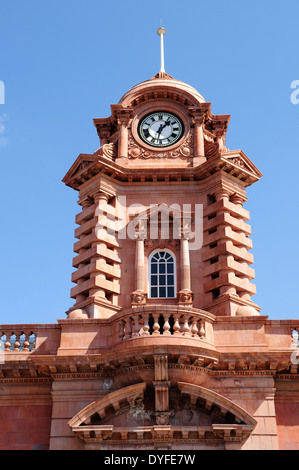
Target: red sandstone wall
287 415
25 427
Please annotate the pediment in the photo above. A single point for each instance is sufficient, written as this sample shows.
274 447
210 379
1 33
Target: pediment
127 416
161 210
157 222
85 161
240 161
80 165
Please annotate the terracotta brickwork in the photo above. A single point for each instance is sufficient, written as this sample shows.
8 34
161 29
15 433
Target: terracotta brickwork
164 346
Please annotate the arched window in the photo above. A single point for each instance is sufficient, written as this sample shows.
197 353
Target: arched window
162 275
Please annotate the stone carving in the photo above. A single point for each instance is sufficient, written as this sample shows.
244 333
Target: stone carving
238 161
163 417
185 150
185 297
211 148
242 163
107 384
137 410
107 150
151 244
209 136
82 165
138 298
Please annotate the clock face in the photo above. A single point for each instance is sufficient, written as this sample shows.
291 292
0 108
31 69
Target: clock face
160 129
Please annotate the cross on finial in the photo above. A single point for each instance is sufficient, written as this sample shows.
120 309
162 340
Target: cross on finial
161 31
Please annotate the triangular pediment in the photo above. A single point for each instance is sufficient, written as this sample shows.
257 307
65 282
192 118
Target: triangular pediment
172 211
80 164
240 160
80 168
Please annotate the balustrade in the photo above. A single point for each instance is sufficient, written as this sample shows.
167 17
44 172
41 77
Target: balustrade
158 324
23 341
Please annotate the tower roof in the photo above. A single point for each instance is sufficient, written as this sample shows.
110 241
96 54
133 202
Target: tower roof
159 83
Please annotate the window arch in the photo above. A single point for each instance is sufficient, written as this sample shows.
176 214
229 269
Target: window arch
162 275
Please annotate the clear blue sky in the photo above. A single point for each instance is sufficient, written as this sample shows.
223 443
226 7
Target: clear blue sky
64 62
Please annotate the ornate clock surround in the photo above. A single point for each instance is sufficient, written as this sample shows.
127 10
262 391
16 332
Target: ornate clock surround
156 106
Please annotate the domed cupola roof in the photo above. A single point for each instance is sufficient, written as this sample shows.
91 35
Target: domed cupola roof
162 86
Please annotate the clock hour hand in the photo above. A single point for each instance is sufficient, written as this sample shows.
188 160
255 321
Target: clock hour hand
162 126
160 129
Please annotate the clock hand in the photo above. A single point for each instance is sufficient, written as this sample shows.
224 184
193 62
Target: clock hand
162 126
160 130
167 123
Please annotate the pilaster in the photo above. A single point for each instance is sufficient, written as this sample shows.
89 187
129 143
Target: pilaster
161 385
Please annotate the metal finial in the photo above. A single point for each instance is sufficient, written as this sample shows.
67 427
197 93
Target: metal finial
161 31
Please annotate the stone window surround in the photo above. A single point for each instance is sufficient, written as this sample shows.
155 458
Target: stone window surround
158 250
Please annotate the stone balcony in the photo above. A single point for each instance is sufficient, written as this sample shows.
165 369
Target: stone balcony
190 337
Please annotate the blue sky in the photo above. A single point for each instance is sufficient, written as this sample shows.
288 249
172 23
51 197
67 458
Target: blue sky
64 62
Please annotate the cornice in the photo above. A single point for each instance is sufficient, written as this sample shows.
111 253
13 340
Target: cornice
90 166
125 360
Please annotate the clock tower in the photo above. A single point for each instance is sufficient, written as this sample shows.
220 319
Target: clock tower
163 165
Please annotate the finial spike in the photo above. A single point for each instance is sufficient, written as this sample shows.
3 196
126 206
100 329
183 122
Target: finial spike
161 31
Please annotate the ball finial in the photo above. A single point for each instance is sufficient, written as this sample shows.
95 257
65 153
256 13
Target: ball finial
161 31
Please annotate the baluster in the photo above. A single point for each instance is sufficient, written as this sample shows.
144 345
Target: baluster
17 343
22 339
202 332
121 330
156 326
146 325
9 342
5 343
176 326
194 328
136 327
186 327
31 340
128 328
2 340
166 326
181 324
26 345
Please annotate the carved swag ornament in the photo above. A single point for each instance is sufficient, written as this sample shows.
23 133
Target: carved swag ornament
185 150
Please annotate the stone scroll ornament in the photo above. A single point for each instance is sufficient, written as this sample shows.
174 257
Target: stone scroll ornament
107 150
210 144
185 150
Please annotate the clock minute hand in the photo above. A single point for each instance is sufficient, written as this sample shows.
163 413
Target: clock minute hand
167 123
